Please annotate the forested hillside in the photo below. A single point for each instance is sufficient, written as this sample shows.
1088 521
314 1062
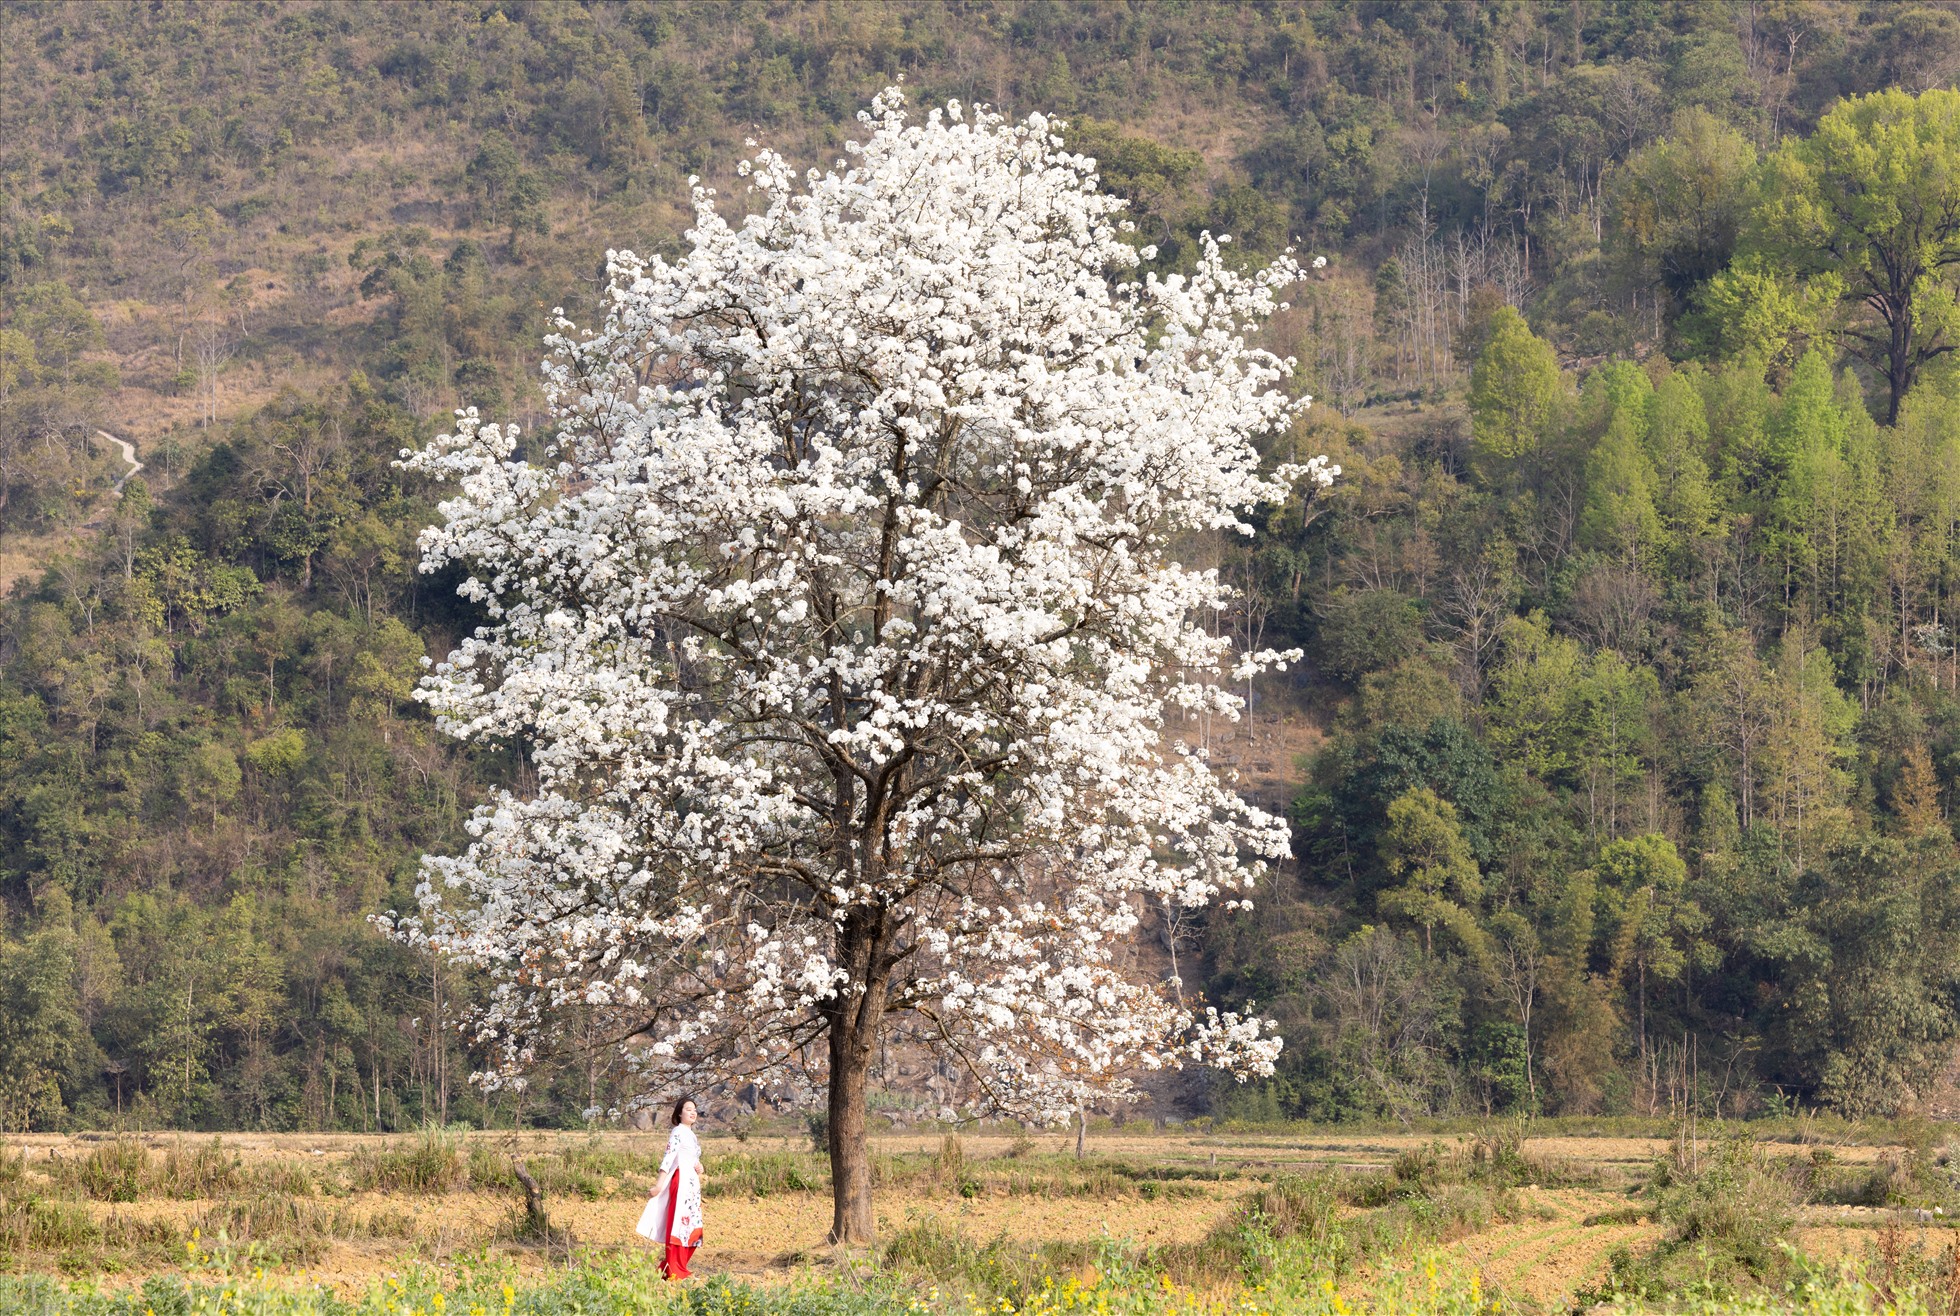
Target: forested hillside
1632 704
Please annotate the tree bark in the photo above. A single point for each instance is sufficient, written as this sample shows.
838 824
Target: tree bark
1898 363
536 1224
850 1158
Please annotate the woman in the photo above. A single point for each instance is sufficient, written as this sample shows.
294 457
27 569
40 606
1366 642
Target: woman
673 1215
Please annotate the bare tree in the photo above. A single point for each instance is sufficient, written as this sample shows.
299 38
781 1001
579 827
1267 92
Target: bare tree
210 352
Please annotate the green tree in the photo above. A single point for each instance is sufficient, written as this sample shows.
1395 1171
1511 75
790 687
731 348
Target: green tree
1757 311
58 324
1677 448
1364 631
1916 796
1655 931
253 1004
1424 851
505 188
1873 197
1515 390
1531 694
1807 747
1676 205
1577 720
1829 522
1576 1016
281 753
1861 1008
1732 703
18 363
386 668
211 777
1620 517
41 1033
1610 726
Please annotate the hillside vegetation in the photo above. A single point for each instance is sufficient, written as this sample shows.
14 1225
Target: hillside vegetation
1632 670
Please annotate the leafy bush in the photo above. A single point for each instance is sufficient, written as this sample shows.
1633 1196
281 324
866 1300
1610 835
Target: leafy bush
1007 1268
1290 1223
1728 1213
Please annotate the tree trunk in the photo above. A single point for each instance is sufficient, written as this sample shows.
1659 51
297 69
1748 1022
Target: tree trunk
850 1159
1643 1004
1898 359
536 1224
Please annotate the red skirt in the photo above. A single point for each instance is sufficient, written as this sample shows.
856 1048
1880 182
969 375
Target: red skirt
675 1264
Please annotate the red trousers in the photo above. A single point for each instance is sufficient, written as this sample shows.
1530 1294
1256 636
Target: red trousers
675 1265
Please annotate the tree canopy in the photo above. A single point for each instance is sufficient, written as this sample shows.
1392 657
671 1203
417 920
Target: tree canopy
1872 199
844 659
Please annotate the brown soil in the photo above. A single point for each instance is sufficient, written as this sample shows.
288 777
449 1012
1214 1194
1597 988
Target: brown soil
1551 1253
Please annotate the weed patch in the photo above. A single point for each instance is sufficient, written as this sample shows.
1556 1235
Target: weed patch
1728 1211
432 1163
764 1174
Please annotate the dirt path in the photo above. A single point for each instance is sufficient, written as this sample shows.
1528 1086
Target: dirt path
26 555
128 455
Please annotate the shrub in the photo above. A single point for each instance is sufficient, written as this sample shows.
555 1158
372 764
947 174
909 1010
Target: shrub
1291 1222
1000 1266
1728 1213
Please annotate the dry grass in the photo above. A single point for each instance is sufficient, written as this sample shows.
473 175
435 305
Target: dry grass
348 1207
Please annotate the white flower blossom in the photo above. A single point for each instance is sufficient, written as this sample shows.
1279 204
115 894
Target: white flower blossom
838 613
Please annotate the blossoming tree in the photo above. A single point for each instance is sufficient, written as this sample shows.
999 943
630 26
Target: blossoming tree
838 617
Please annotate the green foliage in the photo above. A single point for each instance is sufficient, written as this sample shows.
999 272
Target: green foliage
1364 631
763 1174
1868 199
1677 449
52 388
504 188
42 1039
1754 311
431 1164
1423 849
114 1172
1620 517
1515 390
1728 1210
1653 927
1678 204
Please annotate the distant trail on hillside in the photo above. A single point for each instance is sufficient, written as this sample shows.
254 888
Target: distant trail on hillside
128 455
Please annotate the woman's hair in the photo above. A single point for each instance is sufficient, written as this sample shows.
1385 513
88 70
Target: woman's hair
682 1101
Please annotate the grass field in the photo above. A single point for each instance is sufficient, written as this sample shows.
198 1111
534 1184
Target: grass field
1299 1219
